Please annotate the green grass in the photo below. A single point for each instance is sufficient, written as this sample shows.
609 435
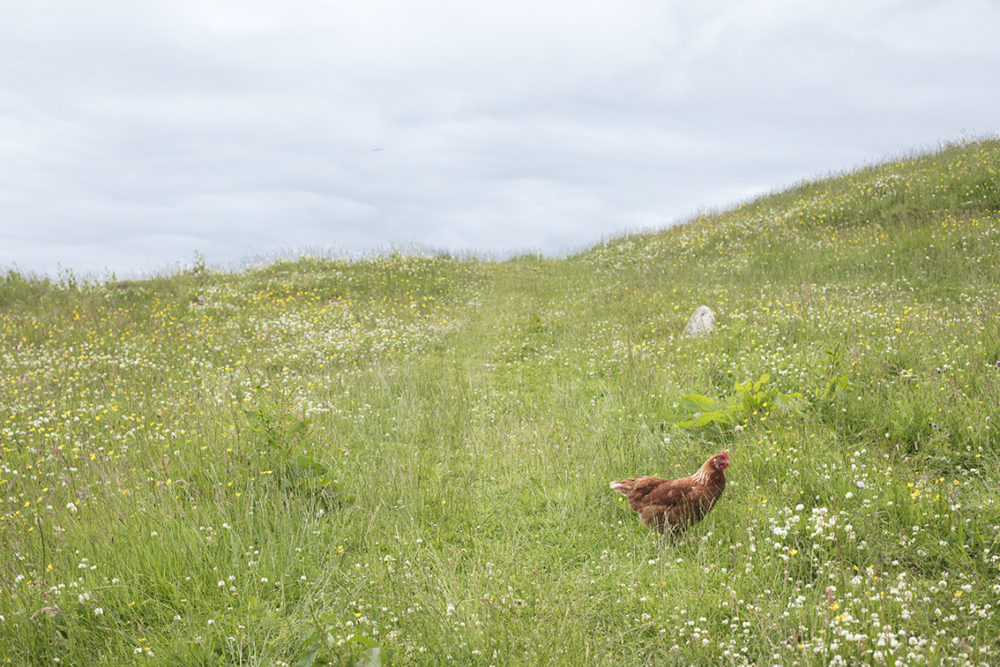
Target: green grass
301 463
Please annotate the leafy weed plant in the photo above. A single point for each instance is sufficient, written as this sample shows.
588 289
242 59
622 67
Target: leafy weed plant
750 400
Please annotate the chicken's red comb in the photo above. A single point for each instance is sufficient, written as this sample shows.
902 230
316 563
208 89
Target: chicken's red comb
725 453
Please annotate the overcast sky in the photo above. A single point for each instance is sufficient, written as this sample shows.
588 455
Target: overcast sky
134 133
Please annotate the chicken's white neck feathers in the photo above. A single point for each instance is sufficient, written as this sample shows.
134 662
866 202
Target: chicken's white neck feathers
702 476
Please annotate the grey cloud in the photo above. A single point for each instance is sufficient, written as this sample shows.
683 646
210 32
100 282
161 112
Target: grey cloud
133 134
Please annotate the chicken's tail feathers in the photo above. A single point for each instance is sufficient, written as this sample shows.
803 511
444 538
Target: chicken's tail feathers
623 486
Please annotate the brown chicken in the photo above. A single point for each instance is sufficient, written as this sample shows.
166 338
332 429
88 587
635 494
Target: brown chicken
672 505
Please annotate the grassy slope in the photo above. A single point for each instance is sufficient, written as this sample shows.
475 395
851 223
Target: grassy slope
472 413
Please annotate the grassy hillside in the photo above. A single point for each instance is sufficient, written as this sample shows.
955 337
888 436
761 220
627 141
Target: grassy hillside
407 459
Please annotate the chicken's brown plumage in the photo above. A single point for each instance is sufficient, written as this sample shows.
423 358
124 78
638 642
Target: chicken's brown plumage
672 505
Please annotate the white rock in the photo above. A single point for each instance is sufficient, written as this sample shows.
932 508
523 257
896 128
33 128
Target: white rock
702 323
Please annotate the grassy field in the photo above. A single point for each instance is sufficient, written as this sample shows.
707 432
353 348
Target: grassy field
406 460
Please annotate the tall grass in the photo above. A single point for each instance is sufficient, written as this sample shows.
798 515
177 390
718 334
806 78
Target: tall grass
405 459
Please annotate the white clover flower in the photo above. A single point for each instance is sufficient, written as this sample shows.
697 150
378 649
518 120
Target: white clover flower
71 507
98 611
